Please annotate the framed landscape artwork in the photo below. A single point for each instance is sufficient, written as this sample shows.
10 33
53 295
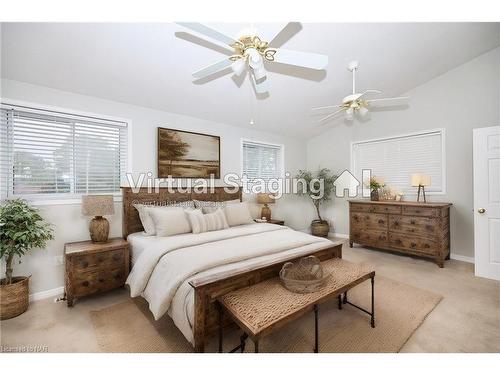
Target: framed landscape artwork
184 154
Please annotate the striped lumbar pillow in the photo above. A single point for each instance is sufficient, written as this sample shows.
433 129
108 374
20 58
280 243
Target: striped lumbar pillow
207 222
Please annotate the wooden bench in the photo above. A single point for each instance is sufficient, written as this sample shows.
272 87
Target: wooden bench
264 307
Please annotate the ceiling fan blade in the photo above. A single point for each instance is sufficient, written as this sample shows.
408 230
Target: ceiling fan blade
331 115
370 92
400 100
286 33
327 107
211 69
207 31
261 86
302 59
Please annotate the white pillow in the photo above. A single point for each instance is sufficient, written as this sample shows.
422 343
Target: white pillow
208 207
146 219
207 222
169 220
238 214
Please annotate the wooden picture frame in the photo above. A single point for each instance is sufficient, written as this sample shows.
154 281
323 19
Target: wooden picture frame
184 154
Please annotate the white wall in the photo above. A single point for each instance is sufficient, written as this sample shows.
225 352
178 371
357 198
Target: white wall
71 226
464 98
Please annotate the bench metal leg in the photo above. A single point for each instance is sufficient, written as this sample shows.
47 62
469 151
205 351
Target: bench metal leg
316 338
345 297
373 303
243 340
340 301
256 344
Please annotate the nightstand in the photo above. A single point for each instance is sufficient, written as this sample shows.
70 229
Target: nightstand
94 267
273 221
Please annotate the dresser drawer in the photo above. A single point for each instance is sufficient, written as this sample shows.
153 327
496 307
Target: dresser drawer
369 237
369 221
420 211
422 245
423 226
98 281
102 260
375 208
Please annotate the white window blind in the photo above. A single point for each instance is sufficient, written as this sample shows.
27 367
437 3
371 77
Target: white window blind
395 159
261 160
50 154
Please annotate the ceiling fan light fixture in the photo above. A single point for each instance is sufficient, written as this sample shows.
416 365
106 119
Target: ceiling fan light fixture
363 111
239 66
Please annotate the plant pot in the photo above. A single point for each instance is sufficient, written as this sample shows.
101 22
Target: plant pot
14 298
374 195
320 228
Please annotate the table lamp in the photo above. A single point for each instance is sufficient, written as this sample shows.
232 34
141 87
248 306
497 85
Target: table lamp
97 206
421 181
265 199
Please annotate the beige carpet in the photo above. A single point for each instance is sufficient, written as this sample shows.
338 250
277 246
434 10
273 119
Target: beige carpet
399 310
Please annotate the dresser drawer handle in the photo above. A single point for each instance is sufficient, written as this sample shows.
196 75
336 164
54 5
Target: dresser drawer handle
116 257
85 283
427 245
412 222
85 264
413 244
381 221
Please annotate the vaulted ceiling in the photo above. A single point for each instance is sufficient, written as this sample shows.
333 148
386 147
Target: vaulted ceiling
151 64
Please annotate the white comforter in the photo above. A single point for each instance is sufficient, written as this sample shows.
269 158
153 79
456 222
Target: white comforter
162 272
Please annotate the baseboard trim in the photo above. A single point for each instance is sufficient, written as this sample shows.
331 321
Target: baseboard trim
340 235
47 294
462 258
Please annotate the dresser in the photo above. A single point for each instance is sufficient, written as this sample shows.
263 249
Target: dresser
419 229
94 267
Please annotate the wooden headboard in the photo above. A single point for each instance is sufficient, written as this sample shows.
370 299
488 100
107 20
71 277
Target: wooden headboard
131 222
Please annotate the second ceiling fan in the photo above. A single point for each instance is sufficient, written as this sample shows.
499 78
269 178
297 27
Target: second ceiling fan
357 103
250 53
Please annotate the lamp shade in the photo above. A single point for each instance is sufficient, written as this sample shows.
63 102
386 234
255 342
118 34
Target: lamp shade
418 179
97 205
264 198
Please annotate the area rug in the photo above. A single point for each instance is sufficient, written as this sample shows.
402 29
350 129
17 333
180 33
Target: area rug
399 310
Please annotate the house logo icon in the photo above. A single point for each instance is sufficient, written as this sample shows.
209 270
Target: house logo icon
346 181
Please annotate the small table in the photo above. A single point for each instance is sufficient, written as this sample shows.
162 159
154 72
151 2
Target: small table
92 267
261 308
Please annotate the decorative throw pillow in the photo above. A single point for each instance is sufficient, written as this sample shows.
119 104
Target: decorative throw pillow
146 219
211 206
170 221
207 222
238 214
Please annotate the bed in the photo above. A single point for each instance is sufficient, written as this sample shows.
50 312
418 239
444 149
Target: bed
183 275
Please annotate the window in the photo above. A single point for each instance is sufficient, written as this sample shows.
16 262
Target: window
48 154
261 160
395 159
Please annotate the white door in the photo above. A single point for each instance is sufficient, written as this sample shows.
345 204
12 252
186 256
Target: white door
487 202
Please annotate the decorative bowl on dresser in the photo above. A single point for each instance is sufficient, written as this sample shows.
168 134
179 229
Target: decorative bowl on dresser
95 267
419 229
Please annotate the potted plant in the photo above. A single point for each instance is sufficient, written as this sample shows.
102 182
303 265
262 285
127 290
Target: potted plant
319 227
21 229
375 186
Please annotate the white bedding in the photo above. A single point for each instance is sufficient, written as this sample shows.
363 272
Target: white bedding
164 266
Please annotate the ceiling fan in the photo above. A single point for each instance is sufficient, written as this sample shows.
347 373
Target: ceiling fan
357 103
250 53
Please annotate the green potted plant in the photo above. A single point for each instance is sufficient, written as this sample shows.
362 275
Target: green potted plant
375 185
21 229
319 226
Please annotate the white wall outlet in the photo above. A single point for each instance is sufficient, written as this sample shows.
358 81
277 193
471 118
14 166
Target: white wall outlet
58 260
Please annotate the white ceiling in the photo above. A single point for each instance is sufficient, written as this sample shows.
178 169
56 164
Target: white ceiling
151 64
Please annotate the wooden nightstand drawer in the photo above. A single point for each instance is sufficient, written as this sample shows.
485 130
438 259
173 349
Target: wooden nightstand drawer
98 281
95 267
105 259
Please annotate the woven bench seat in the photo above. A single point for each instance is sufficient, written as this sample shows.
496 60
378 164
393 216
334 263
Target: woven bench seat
263 307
